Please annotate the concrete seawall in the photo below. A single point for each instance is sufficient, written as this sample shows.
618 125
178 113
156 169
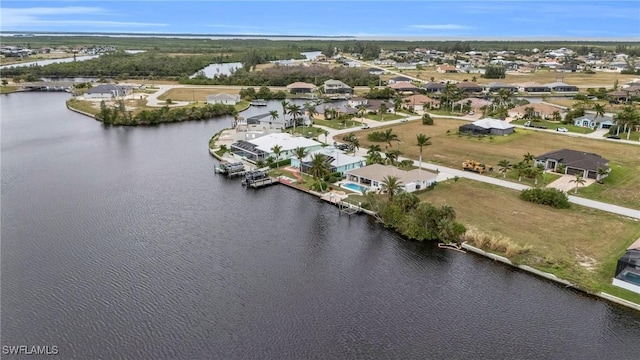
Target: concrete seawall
551 277
81 112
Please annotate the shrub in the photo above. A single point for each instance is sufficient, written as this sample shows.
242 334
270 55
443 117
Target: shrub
552 197
427 119
376 136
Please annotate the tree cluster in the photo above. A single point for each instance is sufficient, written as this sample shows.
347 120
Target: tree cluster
285 75
549 196
118 115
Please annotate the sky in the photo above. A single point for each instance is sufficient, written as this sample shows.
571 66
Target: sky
453 19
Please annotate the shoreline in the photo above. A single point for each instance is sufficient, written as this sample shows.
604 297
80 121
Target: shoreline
479 252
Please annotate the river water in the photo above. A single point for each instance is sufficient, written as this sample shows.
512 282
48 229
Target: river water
123 243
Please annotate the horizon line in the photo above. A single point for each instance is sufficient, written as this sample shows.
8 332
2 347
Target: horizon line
369 37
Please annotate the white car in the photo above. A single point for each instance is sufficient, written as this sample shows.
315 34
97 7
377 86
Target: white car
404 119
562 129
364 126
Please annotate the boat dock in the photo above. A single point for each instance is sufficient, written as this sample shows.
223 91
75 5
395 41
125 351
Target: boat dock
256 184
230 169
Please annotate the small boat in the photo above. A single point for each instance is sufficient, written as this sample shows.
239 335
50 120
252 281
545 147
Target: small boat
259 102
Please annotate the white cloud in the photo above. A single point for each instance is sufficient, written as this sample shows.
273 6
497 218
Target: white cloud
441 27
44 18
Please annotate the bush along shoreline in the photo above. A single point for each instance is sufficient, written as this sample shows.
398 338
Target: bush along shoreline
119 115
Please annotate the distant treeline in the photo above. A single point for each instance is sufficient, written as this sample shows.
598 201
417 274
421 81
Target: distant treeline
203 45
283 76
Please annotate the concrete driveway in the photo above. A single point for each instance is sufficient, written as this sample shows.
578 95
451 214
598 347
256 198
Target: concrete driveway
565 183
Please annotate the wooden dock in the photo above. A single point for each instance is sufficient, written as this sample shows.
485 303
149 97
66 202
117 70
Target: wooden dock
256 184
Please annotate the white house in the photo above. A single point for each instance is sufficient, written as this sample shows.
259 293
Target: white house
373 176
261 148
226 99
336 158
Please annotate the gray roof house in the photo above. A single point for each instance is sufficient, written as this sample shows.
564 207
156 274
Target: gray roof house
575 163
593 122
226 99
107 91
559 86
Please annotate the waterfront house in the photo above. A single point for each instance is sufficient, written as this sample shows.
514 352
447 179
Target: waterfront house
475 104
107 92
301 88
434 87
497 86
487 126
469 87
575 163
261 147
533 87
403 86
373 176
593 122
627 274
357 101
561 87
226 99
332 86
337 160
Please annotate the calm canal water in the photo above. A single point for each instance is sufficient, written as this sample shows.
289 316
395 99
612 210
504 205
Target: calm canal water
123 243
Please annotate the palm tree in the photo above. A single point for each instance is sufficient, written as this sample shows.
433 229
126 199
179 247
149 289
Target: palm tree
300 153
397 103
362 110
277 149
536 172
603 172
520 169
423 141
579 180
388 136
373 154
528 158
274 115
599 109
529 112
392 157
556 116
319 168
325 133
383 110
310 110
392 185
628 117
295 111
285 110
503 167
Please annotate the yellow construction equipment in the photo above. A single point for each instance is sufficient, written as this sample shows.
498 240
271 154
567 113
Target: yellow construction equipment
472 165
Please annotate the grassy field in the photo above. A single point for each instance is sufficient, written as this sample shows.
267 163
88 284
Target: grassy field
579 244
451 150
598 79
8 89
385 117
337 124
196 94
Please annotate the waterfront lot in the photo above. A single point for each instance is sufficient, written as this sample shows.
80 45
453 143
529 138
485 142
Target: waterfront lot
579 244
451 150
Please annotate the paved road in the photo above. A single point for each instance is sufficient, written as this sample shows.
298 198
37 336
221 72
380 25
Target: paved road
445 173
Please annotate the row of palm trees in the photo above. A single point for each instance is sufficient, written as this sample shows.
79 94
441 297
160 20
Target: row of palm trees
296 111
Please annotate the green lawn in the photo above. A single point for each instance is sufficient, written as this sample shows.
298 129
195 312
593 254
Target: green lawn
337 124
385 117
8 89
552 125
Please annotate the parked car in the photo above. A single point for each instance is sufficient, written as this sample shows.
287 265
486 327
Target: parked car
615 137
364 126
405 119
562 129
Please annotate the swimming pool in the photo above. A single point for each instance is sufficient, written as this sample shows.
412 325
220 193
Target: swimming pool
630 277
354 187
